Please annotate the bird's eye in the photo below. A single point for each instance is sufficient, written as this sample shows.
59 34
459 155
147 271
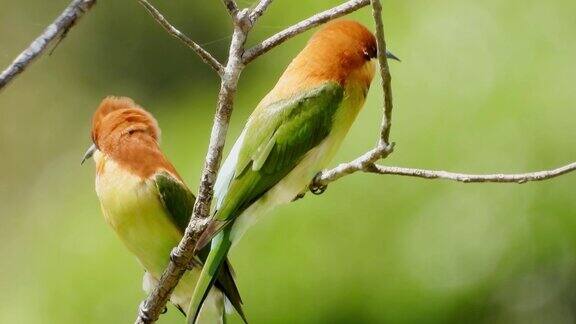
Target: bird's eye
366 55
369 53
133 130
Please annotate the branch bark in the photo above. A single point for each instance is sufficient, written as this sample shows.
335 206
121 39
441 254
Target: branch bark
174 32
58 28
232 8
259 10
472 178
182 255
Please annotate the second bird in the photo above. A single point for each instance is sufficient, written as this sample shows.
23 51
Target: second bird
292 135
146 202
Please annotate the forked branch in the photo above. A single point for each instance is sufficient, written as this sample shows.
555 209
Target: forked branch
304 25
56 30
174 32
244 20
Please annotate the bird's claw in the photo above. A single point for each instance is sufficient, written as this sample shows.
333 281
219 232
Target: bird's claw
299 196
316 188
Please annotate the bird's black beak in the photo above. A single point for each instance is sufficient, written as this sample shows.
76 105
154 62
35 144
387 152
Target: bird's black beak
88 153
392 56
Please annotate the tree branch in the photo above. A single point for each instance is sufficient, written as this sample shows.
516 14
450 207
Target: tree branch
59 27
232 8
470 178
301 27
259 10
384 74
182 255
383 147
204 55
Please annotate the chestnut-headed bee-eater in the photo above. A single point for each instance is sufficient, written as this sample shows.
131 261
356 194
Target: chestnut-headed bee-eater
146 202
291 136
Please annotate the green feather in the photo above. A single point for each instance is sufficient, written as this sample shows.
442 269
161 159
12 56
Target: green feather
176 198
276 139
179 204
218 251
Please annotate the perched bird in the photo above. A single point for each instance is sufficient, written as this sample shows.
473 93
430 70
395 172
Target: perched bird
291 136
146 202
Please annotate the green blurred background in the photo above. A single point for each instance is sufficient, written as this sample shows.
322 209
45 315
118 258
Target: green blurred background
483 86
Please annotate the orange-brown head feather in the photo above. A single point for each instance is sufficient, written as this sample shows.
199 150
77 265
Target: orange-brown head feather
340 51
130 136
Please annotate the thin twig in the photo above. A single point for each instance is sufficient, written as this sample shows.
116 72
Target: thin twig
204 55
360 163
470 178
67 19
182 255
384 74
301 27
259 10
383 147
232 8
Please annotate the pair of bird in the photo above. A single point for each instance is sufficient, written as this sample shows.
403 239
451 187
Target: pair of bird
291 136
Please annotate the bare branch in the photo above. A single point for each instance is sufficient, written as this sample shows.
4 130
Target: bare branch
384 73
259 10
301 27
359 164
204 55
383 147
470 178
59 27
232 8
182 255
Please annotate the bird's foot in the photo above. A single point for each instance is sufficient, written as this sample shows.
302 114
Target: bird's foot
299 196
316 188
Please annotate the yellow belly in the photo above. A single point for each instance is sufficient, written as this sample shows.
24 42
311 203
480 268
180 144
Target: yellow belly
132 207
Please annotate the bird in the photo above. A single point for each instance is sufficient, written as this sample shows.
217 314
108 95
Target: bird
291 135
146 202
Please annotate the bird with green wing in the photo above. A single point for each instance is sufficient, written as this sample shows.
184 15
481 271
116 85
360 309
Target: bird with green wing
293 133
148 205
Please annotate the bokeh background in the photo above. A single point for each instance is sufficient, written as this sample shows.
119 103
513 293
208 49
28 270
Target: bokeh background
483 86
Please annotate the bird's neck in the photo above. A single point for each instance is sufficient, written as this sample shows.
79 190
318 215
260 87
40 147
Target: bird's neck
139 159
305 74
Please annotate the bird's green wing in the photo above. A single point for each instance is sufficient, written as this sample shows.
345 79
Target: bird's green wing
176 198
179 204
275 139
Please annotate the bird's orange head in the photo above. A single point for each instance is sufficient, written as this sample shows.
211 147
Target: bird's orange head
119 121
129 135
341 51
336 51
342 46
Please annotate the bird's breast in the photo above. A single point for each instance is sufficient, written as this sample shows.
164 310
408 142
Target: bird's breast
132 207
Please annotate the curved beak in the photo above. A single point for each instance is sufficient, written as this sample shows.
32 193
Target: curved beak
89 153
392 56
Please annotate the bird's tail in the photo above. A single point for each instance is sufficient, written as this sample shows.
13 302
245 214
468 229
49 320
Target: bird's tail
214 309
218 251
